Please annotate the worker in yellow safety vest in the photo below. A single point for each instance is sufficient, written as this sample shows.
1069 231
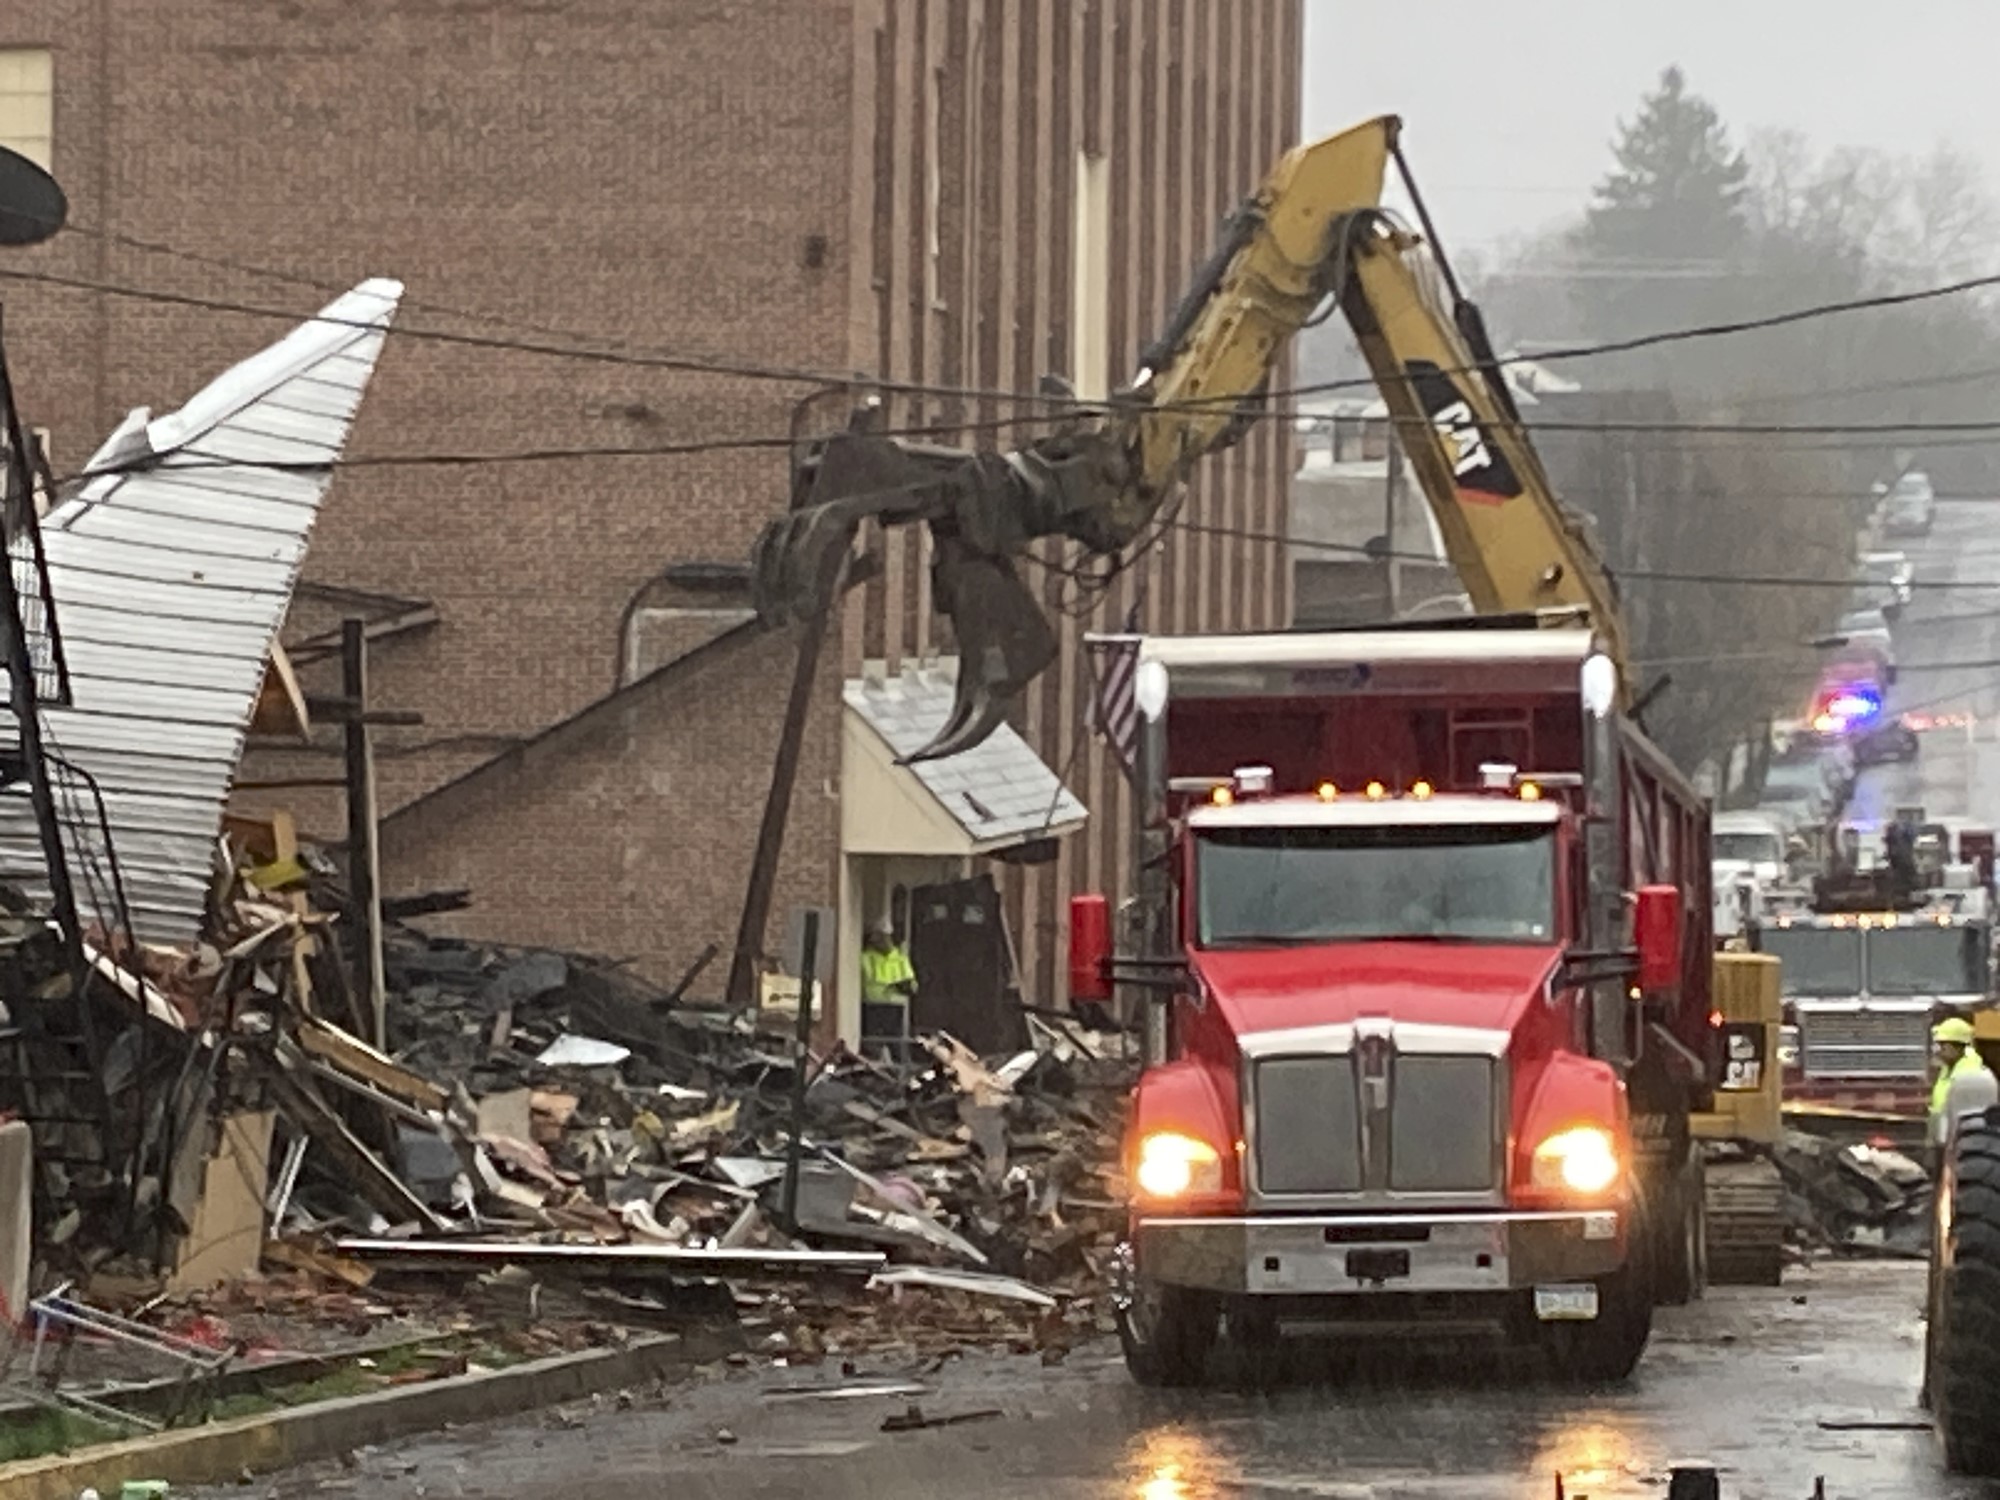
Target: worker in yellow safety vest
887 984
1963 1080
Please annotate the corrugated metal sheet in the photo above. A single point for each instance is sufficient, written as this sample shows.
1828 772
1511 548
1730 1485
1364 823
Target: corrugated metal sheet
1000 792
171 578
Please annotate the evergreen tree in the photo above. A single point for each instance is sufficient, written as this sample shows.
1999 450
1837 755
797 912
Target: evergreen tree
1678 191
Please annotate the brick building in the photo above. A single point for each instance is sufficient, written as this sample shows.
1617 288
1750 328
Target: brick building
957 193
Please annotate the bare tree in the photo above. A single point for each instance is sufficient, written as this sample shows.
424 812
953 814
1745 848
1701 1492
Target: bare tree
1950 212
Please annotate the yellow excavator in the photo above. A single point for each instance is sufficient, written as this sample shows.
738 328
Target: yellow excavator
1314 236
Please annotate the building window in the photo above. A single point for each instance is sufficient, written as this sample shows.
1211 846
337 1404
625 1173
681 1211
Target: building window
1090 280
27 103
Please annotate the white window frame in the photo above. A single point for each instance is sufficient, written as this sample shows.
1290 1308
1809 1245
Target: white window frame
27 76
1090 279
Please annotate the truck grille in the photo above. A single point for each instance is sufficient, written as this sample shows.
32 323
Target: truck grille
1436 1134
1864 1044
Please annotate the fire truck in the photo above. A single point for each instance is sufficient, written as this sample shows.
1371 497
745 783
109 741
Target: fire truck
1872 960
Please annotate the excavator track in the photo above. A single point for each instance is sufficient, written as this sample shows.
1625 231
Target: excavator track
1745 1203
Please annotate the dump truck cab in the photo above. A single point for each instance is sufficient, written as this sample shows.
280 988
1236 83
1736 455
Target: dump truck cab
1429 1008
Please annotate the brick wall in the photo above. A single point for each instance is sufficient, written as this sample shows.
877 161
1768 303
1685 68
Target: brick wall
834 184
1188 102
629 832
651 175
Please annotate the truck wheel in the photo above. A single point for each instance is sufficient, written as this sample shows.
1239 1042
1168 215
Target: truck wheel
1683 1250
1607 1348
1964 1337
1167 1332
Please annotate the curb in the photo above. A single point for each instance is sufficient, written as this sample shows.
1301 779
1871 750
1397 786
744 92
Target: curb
223 1451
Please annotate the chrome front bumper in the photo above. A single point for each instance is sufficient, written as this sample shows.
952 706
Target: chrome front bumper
1358 1254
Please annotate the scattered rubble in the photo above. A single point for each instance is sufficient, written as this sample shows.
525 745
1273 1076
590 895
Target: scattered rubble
1854 1198
551 1118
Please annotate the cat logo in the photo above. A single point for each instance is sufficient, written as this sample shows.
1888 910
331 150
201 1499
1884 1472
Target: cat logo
1479 470
1458 427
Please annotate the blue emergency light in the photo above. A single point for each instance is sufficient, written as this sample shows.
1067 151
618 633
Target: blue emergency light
1853 707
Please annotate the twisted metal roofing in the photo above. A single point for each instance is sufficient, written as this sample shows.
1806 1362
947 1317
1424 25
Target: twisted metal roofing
172 568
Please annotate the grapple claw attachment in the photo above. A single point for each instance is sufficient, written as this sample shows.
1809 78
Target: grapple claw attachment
790 560
1004 643
979 506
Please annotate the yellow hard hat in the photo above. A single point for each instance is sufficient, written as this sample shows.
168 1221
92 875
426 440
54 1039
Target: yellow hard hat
1954 1031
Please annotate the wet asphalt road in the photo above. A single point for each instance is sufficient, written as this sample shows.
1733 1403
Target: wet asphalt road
1957 770
1758 1382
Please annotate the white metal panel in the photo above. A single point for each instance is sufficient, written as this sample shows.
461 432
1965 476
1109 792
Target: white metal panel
1337 648
172 574
1351 811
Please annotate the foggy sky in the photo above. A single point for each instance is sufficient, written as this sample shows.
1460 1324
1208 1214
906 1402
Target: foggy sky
1509 108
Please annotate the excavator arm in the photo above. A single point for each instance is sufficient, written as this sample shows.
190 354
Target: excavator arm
1104 476
1510 540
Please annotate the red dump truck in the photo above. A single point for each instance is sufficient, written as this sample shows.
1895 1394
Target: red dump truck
1422 931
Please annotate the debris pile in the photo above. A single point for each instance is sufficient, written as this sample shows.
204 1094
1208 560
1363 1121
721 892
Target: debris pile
1854 1198
550 1115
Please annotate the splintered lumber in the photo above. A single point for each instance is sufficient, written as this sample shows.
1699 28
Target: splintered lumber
352 1055
383 1189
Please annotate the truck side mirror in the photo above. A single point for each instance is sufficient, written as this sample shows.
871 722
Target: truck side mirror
1656 929
1089 948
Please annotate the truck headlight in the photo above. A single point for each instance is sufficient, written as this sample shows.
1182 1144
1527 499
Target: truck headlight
1583 1159
1172 1165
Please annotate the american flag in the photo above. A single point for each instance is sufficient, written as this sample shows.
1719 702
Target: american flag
1114 662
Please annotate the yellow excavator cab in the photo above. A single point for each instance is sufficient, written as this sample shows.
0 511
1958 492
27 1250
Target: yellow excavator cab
1749 1010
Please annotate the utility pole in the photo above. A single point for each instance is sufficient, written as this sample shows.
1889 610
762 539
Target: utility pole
788 1217
743 964
364 867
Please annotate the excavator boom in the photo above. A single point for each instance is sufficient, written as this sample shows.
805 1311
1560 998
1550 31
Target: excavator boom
1103 476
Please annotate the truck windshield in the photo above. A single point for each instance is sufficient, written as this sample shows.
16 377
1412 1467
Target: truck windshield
1927 961
1750 848
1815 960
1269 886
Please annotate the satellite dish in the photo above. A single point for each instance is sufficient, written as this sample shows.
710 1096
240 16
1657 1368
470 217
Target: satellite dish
32 206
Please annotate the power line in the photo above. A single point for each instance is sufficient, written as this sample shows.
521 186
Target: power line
716 365
1817 310
1654 575
1872 388
686 363
195 460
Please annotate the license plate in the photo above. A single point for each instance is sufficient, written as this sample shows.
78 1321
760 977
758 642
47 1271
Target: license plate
1377 1266
1566 1304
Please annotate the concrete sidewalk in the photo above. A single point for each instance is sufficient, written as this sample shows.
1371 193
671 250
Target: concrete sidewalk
226 1451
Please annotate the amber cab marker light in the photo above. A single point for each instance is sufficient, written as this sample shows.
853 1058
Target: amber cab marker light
1420 790
1222 796
1328 792
1530 792
1377 791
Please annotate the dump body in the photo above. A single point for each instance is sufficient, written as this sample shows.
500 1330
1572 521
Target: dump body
1406 965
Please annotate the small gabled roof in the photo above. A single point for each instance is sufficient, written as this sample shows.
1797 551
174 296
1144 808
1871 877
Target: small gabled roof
1000 792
